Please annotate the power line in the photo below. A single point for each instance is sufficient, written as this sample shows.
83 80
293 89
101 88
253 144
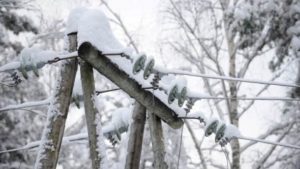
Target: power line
180 72
116 89
207 97
25 105
249 138
42 61
268 142
248 98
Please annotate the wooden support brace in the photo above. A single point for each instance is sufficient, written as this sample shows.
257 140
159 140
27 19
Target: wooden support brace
104 66
136 134
91 114
157 139
57 114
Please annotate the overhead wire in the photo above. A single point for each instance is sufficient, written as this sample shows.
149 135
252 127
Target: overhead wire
268 142
180 72
227 78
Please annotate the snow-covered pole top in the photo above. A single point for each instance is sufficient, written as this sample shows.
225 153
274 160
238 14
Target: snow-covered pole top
95 39
94 27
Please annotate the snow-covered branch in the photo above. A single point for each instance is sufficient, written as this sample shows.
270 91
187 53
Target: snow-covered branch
25 105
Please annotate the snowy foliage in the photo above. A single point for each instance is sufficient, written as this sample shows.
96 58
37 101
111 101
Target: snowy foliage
248 18
17 126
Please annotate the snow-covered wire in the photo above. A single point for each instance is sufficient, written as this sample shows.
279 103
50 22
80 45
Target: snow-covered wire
231 132
267 142
42 61
248 98
115 89
26 105
180 72
217 98
185 73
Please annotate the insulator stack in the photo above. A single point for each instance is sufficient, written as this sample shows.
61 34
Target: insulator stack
113 139
189 105
211 128
155 81
139 64
16 78
220 133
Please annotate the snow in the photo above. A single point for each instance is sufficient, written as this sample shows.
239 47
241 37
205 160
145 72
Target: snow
77 89
270 6
241 14
101 148
120 118
44 143
30 57
210 121
196 94
37 56
295 43
122 151
76 137
10 66
179 81
231 132
94 28
52 114
295 9
27 104
294 30
196 114
74 16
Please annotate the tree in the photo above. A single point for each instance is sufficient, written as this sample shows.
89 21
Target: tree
15 129
237 33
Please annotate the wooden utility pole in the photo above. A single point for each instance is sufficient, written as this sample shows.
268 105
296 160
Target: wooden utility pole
136 134
58 112
157 139
91 114
104 66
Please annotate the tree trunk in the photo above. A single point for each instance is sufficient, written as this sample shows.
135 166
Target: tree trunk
135 141
233 114
92 115
157 139
57 112
233 107
104 66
